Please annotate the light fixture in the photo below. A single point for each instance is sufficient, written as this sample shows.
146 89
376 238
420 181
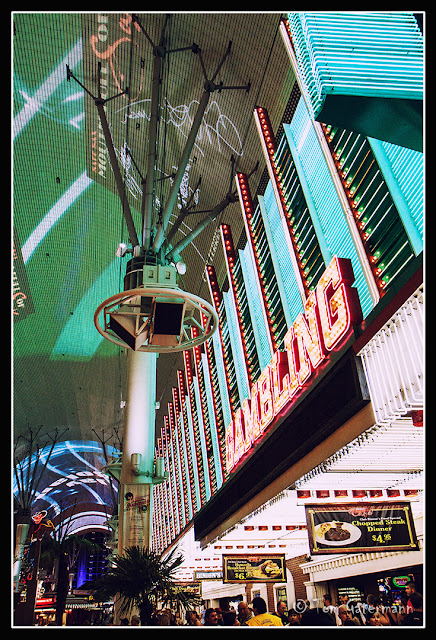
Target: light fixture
123 248
181 267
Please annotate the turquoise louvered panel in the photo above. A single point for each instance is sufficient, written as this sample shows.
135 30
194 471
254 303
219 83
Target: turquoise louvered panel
325 198
246 320
358 53
201 431
225 402
236 345
213 425
284 268
407 167
255 306
195 478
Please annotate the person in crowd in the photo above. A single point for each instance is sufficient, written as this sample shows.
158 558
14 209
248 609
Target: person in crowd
244 613
219 612
124 622
261 618
343 599
357 611
280 612
415 618
316 617
135 621
294 618
369 604
376 615
373 618
210 618
163 620
410 589
346 617
230 619
330 609
192 619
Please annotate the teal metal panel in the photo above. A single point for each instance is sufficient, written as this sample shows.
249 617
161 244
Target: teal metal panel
213 426
236 345
255 306
329 210
284 270
225 402
201 428
184 457
403 172
376 54
195 479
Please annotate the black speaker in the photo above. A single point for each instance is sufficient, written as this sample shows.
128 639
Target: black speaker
168 318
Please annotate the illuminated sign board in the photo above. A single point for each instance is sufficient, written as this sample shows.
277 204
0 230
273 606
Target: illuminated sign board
208 575
330 311
351 528
254 568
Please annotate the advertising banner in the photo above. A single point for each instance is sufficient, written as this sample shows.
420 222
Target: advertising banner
254 568
136 515
350 528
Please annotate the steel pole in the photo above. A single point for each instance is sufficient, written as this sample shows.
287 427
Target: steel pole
135 495
117 174
147 200
160 236
174 253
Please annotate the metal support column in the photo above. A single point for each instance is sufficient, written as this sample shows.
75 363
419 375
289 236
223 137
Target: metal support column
135 513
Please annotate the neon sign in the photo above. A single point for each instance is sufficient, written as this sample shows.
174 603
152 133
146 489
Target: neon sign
330 311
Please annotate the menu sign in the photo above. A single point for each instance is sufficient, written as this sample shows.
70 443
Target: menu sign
254 568
350 528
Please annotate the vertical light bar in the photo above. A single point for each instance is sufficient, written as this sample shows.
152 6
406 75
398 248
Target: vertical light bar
200 463
247 207
180 457
216 396
230 257
169 466
269 146
213 415
255 306
202 436
174 456
192 467
204 412
216 296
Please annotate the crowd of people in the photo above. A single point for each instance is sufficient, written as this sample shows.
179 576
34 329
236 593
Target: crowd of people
372 612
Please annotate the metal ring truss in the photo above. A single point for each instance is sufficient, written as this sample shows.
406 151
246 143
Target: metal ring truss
197 313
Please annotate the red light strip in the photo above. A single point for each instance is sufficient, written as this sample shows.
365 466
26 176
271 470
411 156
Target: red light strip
204 411
218 421
217 298
171 497
230 255
247 207
182 395
180 435
198 456
270 147
175 463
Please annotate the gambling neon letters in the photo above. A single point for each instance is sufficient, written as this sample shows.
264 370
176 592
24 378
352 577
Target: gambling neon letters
330 310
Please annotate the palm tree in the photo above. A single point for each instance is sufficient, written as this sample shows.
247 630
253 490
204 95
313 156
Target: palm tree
142 579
